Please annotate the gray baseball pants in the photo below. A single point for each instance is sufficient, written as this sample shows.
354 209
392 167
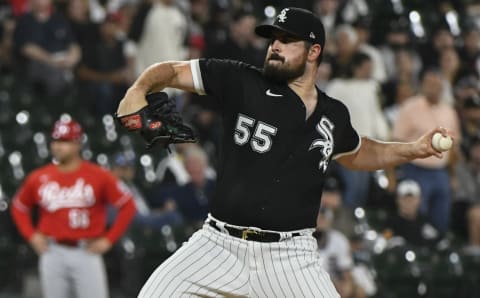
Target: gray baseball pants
72 272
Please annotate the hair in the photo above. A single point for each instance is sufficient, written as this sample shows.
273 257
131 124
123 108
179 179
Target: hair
196 152
352 35
428 70
240 14
359 58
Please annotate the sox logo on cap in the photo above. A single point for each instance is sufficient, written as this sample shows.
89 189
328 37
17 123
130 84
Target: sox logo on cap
282 17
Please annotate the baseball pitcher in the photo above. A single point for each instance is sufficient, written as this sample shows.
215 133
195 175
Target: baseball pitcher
280 134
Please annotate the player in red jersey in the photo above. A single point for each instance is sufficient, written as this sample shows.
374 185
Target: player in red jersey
70 237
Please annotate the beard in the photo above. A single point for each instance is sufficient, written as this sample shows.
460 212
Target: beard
284 72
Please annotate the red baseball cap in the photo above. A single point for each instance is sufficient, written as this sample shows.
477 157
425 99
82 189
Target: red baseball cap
67 130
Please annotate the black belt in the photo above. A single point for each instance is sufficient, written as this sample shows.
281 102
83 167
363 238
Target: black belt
251 234
68 242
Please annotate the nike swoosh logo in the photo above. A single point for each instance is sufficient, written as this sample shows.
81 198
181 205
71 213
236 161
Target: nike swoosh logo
269 93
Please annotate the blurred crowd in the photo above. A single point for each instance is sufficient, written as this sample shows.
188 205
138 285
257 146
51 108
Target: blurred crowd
401 67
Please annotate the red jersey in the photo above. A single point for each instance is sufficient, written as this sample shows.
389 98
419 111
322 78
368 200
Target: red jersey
72 205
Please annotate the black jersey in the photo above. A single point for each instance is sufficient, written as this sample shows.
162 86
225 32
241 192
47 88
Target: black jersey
272 160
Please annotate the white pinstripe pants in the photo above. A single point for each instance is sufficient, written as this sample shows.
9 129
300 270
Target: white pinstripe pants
214 264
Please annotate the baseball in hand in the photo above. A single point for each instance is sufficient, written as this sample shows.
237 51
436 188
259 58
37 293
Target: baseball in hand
441 143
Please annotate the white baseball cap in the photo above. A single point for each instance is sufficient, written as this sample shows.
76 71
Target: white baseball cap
408 188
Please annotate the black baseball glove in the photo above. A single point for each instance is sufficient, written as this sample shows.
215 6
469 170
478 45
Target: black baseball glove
158 122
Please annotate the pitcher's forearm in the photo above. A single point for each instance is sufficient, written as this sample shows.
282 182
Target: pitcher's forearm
374 155
155 77
394 153
133 101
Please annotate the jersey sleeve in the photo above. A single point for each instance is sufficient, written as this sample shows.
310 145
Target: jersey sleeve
347 140
221 79
119 196
114 191
22 203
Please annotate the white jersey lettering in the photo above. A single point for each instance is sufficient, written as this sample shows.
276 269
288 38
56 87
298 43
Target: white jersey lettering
54 197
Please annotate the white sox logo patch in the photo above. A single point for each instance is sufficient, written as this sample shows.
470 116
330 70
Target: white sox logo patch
325 143
282 16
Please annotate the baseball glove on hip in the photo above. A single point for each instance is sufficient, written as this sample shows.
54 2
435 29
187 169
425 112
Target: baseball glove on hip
158 122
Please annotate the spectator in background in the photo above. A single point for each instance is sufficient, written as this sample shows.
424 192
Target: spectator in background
470 124
467 92
467 86
126 10
46 49
335 253
360 94
332 198
327 10
466 210
123 167
406 68
402 91
107 68
408 222
84 30
401 86
192 198
239 44
470 51
19 7
441 39
449 64
7 27
362 27
398 38
160 33
199 14
171 169
351 10
346 46
421 111
216 28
